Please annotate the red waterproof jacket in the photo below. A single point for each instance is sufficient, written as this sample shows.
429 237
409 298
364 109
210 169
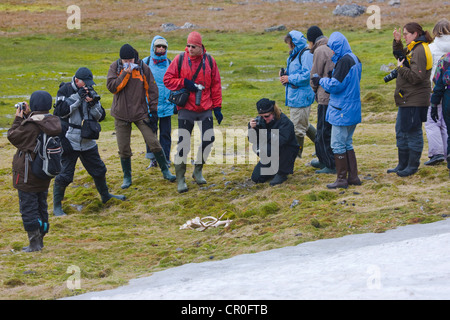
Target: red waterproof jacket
208 76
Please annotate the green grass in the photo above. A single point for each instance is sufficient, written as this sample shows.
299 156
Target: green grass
115 242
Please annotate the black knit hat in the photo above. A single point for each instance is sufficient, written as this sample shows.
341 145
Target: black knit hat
127 52
265 105
40 101
313 33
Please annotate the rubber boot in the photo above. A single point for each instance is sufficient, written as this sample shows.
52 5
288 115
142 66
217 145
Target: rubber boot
341 171
58 196
403 156
278 179
197 174
35 241
126 169
352 178
413 164
301 141
180 171
102 188
311 133
162 162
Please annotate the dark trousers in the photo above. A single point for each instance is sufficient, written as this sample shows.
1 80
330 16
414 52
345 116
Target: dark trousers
165 135
207 135
33 208
90 159
446 116
286 162
323 138
408 128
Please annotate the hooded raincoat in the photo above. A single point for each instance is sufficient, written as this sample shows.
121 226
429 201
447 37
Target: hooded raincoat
299 93
344 108
158 65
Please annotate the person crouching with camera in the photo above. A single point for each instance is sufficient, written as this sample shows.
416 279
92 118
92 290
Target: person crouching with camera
29 122
412 95
77 104
273 137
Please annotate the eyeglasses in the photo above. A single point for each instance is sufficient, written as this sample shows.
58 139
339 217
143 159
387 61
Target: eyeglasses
191 46
267 116
160 46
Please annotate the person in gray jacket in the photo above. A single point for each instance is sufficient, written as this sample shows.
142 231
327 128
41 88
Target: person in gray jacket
75 101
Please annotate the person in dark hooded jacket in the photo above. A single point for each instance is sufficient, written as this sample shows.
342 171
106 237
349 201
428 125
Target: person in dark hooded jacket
273 137
33 191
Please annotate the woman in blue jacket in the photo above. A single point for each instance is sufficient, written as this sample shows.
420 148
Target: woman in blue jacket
299 94
158 63
344 109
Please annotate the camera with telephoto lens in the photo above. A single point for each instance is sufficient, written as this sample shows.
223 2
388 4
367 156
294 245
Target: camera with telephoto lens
282 72
394 73
198 94
93 95
21 105
259 122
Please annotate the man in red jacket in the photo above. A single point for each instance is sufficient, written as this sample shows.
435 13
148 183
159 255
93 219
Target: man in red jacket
196 71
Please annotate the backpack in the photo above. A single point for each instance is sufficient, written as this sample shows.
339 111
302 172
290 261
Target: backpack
47 163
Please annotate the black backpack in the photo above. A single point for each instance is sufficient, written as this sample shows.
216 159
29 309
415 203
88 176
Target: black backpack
47 163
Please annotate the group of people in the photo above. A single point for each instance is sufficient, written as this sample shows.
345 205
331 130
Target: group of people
318 69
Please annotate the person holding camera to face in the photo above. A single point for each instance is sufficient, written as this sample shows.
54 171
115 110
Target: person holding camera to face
135 101
28 124
77 104
273 137
195 72
412 95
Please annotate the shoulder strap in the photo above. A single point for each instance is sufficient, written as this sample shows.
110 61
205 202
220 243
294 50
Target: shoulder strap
180 62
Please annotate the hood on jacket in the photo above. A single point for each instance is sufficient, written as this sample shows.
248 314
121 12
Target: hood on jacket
299 41
339 44
152 50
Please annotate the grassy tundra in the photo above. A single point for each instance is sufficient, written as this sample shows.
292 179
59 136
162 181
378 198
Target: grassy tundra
112 243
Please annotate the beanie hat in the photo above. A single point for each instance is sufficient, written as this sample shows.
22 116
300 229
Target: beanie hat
313 33
160 42
265 105
40 101
127 52
85 74
194 38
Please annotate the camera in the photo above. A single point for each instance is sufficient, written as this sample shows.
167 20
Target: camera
198 94
92 94
21 105
394 73
282 72
259 122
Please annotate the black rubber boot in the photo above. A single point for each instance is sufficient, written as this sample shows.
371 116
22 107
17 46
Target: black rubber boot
35 241
403 156
58 196
162 162
413 164
278 179
102 188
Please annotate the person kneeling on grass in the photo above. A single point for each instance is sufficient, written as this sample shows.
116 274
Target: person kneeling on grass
273 137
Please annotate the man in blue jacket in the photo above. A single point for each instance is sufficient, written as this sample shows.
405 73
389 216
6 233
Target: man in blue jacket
158 63
299 94
344 109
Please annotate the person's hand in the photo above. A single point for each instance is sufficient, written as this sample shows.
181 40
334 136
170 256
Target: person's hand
190 85
153 121
315 81
397 35
218 114
284 79
434 113
252 123
400 63
83 93
22 112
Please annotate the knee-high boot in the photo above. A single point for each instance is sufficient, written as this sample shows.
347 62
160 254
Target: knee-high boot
126 169
162 161
180 171
102 188
413 164
403 157
58 196
352 178
341 170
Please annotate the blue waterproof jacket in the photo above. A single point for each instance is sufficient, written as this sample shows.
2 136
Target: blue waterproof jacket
344 108
158 65
299 93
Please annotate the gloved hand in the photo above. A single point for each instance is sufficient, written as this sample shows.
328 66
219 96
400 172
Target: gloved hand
434 113
153 121
315 81
190 85
330 74
83 93
218 114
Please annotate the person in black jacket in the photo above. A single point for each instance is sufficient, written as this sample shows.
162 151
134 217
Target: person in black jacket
273 137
